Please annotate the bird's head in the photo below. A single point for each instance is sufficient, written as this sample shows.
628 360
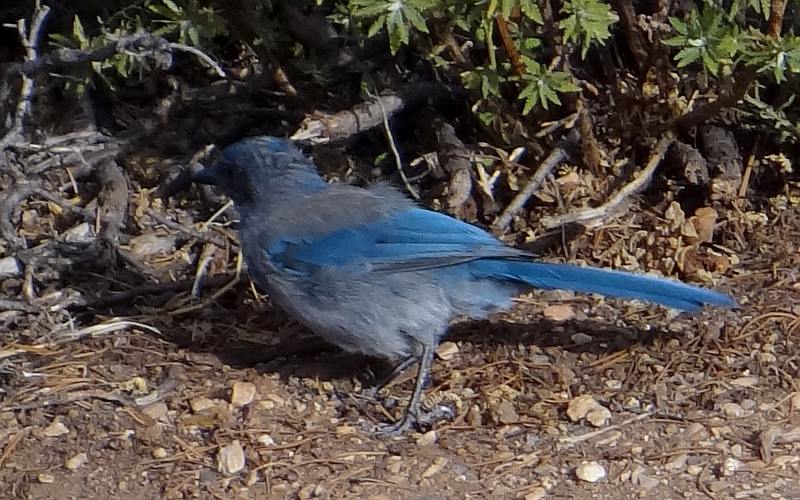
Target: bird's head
259 168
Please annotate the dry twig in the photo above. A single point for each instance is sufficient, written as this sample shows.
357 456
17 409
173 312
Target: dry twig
558 155
617 200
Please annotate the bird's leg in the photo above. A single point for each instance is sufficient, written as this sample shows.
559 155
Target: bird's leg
412 415
373 391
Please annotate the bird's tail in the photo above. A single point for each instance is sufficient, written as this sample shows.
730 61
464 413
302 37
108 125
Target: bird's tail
603 281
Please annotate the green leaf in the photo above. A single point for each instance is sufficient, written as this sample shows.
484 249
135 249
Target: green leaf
588 21
531 11
79 33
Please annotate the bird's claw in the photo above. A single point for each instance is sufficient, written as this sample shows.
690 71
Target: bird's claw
415 420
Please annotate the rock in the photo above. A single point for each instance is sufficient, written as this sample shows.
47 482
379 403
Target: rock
230 458
732 410
447 350
266 440
427 439
434 468
145 245
730 465
55 429
242 393
559 312
81 233
581 338
580 406
796 401
599 417
77 461
159 452
537 493
201 403
745 381
252 478
506 413
694 469
156 411
45 478
591 472
306 492
10 268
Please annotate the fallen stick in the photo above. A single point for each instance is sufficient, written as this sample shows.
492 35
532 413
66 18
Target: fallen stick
555 157
614 203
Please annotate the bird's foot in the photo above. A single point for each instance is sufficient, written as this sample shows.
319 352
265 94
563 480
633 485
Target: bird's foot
415 420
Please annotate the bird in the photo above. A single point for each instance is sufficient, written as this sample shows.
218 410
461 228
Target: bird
372 272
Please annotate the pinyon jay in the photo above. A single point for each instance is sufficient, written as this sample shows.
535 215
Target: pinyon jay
373 273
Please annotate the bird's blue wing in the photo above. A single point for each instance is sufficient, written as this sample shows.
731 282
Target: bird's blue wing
409 240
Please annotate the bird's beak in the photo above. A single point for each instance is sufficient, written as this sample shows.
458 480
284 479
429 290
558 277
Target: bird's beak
209 175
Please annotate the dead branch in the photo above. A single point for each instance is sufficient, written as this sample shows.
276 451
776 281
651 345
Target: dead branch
322 128
30 40
140 44
455 161
153 289
555 157
617 200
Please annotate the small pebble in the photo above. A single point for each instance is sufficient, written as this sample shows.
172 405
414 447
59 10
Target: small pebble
581 338
77 461
266 440
201 403
591 472
156 411
242 393
45 478
694 469
580 406
55 429
447 350
230 458
10 267
434 468
537 493
306 492
599 417
427 439
252 478
730 465
745 381
732 410
506 413
796 401
159 452
559 312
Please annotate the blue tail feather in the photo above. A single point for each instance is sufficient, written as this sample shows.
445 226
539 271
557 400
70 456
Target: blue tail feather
603 281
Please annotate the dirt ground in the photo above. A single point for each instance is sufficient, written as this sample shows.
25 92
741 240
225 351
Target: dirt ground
563 397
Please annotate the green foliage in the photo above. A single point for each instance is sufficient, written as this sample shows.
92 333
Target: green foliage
397 16
195 25
587 21
537 86
189 22
122 64
543 86
707 37
770 55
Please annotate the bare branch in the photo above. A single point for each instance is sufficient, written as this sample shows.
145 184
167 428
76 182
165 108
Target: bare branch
30 40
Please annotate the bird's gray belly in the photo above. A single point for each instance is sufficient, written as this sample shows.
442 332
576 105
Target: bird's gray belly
390 315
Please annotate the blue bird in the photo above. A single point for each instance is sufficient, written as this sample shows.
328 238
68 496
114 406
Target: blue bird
373 273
